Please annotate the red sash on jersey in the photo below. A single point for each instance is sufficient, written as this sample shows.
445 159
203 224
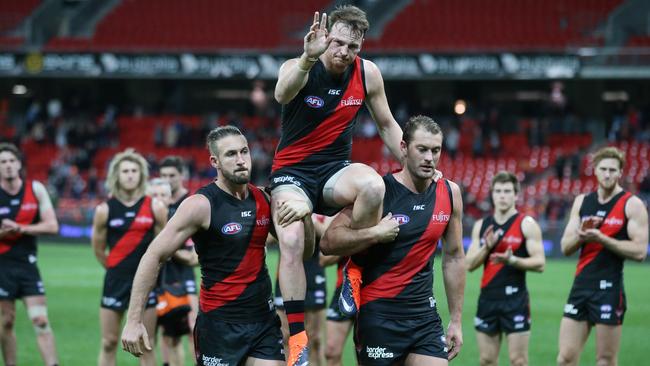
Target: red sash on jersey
612 224
514 231
391 283
331 127
25 215
142 223
251 264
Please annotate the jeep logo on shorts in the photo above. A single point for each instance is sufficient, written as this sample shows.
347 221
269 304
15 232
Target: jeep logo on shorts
314 101
231 228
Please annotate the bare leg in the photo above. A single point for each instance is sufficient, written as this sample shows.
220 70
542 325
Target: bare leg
518 348
360 185
488 345
608 341
421 360
284 327
315 326
337 333
573 335
37 310
191 317
8 335
110 327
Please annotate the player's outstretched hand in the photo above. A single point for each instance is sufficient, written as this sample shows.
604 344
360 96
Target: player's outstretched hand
454 340
387 229
135 339
291 211
317 40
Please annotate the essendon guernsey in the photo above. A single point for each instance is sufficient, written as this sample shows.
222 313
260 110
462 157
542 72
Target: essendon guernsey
235 282
317 125
130 230
500 278
596 262
23 209
401 272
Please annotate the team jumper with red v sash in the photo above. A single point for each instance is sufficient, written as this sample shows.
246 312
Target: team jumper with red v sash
130 230
398 312
237 318
317 129
598 294
504 304
19 275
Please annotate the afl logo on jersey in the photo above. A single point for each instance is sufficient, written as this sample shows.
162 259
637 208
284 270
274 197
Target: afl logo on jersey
231 228
314 101
401 219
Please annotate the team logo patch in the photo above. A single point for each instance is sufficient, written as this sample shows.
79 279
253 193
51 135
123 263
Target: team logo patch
231 228
401 219
314 101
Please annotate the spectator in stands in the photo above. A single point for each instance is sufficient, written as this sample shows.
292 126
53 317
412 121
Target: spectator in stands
452 140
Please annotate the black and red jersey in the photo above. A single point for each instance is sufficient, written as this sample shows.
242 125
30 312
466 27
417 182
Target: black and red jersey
235 281
399 275
175 271
130 229
498 278
599 267
317 125
23 209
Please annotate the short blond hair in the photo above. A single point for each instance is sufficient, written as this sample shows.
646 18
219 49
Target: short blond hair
610 152
112 178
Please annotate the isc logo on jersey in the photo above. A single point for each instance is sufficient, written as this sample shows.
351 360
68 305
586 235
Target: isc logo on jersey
231 228
401 219
314 101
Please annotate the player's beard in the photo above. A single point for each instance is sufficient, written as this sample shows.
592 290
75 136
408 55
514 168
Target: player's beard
237 178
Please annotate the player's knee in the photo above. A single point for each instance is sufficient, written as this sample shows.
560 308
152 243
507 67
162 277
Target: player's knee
40 322
8 322
565 358
487 360
333 352
605 359
291 247
109 344
518 360
372 190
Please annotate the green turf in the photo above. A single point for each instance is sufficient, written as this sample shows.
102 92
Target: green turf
73 282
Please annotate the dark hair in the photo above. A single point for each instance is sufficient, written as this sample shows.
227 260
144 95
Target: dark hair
419 121
350 15
505 177
6 146
610 152
173 161
219 133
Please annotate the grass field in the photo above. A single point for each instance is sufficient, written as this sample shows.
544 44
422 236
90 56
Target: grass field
73 282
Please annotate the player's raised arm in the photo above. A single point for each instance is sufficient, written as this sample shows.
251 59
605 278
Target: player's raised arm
294 73
192 215
377 104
